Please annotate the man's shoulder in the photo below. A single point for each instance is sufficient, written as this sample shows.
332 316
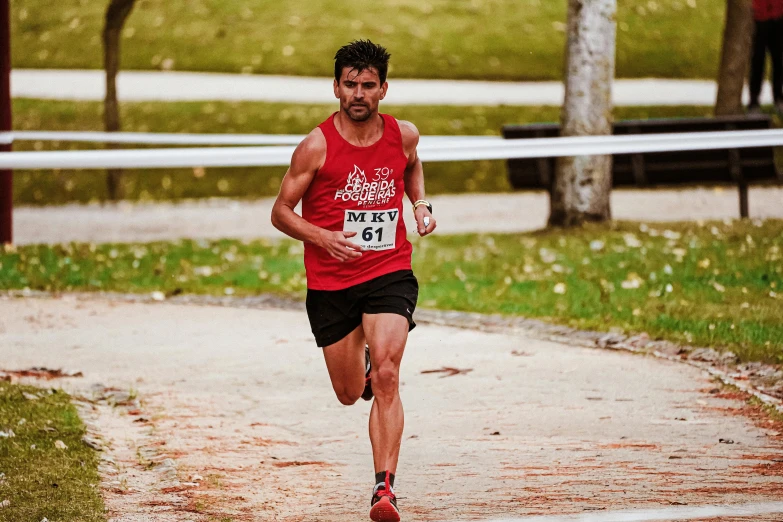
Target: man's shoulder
409 132
407 127
314 142
311 151
315 137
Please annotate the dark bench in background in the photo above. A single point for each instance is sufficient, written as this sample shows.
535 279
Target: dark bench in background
649 169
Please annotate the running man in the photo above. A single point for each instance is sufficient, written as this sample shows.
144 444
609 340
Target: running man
350 173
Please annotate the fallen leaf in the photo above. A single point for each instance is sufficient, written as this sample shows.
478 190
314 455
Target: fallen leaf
40 373
449 371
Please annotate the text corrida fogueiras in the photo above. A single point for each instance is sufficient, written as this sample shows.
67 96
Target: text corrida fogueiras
378 191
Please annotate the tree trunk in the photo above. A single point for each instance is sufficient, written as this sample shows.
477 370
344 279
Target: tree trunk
116 14
582 184
6 175
735 57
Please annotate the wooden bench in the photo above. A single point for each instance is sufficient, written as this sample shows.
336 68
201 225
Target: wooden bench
649 169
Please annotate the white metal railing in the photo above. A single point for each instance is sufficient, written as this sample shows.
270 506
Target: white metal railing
431 148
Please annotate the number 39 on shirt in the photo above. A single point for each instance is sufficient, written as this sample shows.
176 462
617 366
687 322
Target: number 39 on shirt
375 229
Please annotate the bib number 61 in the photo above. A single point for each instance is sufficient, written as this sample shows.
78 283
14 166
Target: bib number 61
375 229
368 234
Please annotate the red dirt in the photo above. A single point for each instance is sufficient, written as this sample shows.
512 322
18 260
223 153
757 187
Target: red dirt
290 463
37 373
629 445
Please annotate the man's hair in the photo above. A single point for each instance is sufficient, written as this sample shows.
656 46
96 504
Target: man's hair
360 55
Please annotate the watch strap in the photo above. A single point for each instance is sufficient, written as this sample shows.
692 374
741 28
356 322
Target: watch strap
419 202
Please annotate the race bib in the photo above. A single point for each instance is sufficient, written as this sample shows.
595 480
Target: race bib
375 229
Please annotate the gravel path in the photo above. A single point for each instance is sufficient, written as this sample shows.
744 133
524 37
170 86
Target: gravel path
181 86
232 416
220 218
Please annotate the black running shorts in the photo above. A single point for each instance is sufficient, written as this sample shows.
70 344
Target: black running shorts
334 314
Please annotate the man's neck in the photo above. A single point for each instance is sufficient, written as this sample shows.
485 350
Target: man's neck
359 133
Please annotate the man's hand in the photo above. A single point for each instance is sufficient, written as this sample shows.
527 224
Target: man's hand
425 223
338 246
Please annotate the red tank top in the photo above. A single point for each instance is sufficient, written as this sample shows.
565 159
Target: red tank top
359 189
767 9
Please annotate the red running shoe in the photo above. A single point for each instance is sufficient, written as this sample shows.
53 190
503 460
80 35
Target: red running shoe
384 504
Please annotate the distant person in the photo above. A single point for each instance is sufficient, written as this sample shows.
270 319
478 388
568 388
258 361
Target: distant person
350 173
767 35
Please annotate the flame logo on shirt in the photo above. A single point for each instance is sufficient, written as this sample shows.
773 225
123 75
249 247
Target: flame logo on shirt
356 180
367 194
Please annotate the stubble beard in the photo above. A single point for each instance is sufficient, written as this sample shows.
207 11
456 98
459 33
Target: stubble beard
360 117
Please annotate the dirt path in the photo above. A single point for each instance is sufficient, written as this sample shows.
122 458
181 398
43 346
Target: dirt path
231 415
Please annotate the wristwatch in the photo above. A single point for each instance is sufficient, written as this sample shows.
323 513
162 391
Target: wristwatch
422 202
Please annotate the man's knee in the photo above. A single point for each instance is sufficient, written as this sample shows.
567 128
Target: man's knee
346 398
386 378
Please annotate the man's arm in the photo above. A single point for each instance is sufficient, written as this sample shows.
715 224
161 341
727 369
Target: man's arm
308 157
414 177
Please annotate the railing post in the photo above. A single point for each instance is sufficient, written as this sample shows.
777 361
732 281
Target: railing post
743 198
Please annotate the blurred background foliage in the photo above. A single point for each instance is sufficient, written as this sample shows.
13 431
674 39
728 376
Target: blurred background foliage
454 39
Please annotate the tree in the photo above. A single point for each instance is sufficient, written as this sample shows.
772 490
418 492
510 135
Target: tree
735 57
116 14
583 184
6 175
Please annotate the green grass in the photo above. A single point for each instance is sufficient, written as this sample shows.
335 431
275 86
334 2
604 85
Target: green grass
49 187
40 480
769 410
477 39
708 284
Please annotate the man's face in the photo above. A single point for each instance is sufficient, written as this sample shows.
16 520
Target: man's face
359 92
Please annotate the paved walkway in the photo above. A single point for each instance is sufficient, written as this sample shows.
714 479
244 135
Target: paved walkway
181 86
456 213
235 418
